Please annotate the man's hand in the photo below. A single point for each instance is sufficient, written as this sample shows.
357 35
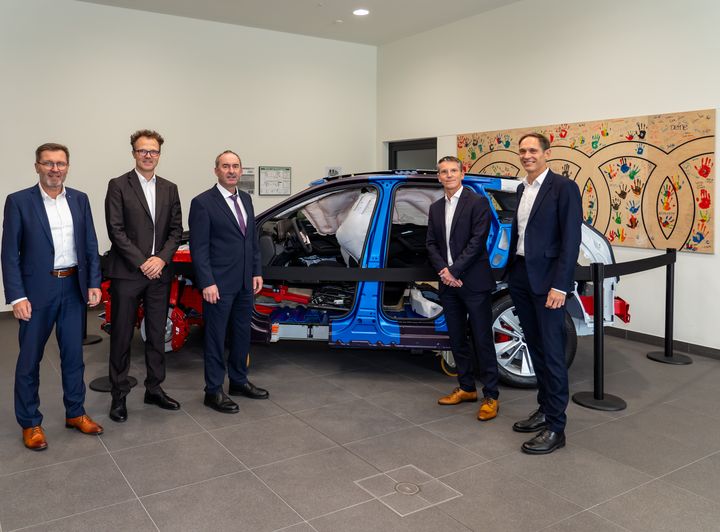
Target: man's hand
555 299
22 310
94 295
449 279
257 284
211 294
152 268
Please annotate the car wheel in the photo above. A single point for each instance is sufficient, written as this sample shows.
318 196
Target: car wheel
447 363
515 367
168 331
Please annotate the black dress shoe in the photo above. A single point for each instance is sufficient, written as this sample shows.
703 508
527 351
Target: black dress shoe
535 422
118 410
221 402
248 389
161 399
544 443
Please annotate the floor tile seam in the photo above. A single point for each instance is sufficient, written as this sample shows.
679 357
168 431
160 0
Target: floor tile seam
617 462
335 403
117 466
194 483
294 524
76 514
553 525
147 444
248 422
670 482
624 493
303 455
250 471
62 462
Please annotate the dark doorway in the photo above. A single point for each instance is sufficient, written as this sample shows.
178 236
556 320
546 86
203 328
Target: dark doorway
413 154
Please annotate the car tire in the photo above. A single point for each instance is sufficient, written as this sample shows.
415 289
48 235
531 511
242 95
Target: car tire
514 364
168 331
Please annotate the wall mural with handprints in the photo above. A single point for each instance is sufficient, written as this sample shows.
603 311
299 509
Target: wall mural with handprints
646 181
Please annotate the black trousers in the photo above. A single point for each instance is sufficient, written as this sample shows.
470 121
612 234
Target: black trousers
463 307
125 298
544 331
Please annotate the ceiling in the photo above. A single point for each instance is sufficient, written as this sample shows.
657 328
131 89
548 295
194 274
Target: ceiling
389 20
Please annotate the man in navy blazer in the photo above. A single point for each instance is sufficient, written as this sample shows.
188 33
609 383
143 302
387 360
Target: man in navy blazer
458 228
545 243
226 259
51 270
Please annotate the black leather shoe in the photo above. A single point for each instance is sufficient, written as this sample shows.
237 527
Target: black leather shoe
118 410
544 443
248 389
162 400
535 422
221 402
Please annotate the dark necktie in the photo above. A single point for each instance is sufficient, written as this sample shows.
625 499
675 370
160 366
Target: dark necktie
243 227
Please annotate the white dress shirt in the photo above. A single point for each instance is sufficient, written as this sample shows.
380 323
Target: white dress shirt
450 206
148 188
61 229
228 198
525 208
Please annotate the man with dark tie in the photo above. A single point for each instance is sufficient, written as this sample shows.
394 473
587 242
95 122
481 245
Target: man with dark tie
144 223
226 258
458 227
544 248
51 270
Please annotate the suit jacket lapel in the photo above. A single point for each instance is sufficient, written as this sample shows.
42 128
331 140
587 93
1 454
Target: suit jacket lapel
161 199
544 188
37 202
137 188
225 208
462 202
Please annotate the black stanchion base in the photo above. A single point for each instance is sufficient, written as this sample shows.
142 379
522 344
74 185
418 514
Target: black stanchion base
91 339
676 359
608 403
102 384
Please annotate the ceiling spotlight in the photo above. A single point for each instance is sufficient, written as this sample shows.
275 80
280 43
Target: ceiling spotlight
361 12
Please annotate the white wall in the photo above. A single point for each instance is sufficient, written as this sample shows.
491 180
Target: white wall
88 76
541 62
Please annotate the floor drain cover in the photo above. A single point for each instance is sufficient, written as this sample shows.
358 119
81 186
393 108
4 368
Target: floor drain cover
407 488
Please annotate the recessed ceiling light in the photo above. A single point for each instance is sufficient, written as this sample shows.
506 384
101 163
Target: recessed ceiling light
361 12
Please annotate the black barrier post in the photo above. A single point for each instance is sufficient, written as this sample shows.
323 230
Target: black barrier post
668 356
102 384
598 399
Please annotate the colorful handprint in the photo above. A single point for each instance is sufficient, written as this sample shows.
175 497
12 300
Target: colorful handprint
622 191
633 171
595 142
623 165
640 149
641 130
636 187
632 222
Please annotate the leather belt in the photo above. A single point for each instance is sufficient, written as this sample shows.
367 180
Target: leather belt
64 272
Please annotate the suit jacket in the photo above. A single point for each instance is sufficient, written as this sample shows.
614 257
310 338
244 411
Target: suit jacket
130 226
221 254
552 235
468 240
28 253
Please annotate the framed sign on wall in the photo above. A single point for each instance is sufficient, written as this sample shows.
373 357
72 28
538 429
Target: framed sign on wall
274 180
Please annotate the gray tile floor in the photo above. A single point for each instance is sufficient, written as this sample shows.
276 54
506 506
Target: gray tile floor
343 428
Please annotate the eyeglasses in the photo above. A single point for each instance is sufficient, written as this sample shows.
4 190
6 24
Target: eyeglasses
151 153
50 166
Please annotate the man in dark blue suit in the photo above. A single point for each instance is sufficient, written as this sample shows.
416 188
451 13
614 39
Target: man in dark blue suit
458 228
544 248
51 270
226 258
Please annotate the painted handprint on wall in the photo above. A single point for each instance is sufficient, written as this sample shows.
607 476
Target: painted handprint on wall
595 142
633 207
622 191
636 187
632 222
623 165
704 199
705 166
641 130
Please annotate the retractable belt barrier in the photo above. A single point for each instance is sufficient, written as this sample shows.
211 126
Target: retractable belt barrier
596 272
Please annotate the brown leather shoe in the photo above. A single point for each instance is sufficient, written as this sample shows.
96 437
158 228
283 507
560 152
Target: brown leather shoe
34 438
488 409
84 424
458 396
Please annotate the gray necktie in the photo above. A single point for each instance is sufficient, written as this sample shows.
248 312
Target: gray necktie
241 221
